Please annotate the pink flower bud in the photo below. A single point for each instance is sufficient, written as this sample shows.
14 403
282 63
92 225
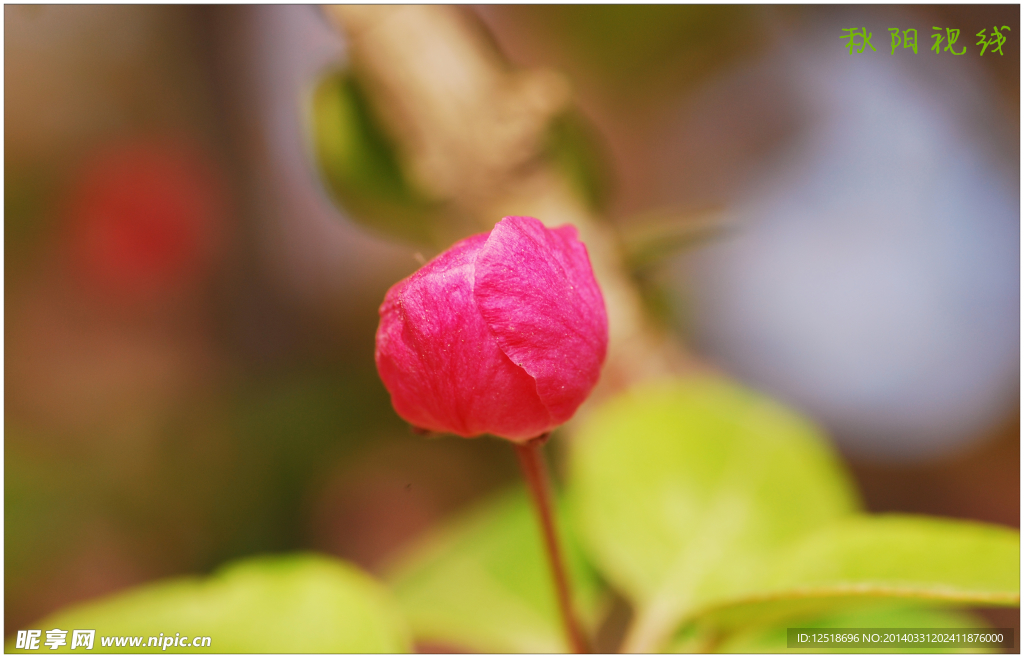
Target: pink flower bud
502 334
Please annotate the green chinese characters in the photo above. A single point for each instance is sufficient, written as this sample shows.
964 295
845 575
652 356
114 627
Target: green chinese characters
996 40
859 40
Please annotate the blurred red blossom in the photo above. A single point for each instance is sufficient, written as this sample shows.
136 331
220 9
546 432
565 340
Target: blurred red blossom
146 217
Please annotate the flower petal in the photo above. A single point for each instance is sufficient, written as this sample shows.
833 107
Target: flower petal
536 290
440 362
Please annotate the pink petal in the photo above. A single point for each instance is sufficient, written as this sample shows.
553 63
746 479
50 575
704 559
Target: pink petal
440 361
536 290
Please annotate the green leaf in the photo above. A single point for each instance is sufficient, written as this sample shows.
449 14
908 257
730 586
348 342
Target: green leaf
709 506
773 640
290 604
360 164
881 557
482 583
679 487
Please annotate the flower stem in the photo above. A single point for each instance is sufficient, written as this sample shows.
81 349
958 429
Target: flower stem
531 459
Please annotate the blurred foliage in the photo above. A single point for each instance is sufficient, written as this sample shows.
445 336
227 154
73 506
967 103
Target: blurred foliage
482 583
697 495
721 516
574 148
650 239
680 490
223 477
888 557
360 164
362 169
290 604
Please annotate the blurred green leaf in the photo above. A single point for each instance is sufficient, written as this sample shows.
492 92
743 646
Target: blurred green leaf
289 604
881 557
679 487
709 506
362 169
482 583
773 640
360 164
575 148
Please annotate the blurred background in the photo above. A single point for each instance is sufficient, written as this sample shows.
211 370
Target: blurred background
190 311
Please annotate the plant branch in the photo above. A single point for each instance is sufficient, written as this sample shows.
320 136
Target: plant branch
470 130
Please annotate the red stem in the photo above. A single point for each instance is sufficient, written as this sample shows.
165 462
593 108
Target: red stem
531 459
